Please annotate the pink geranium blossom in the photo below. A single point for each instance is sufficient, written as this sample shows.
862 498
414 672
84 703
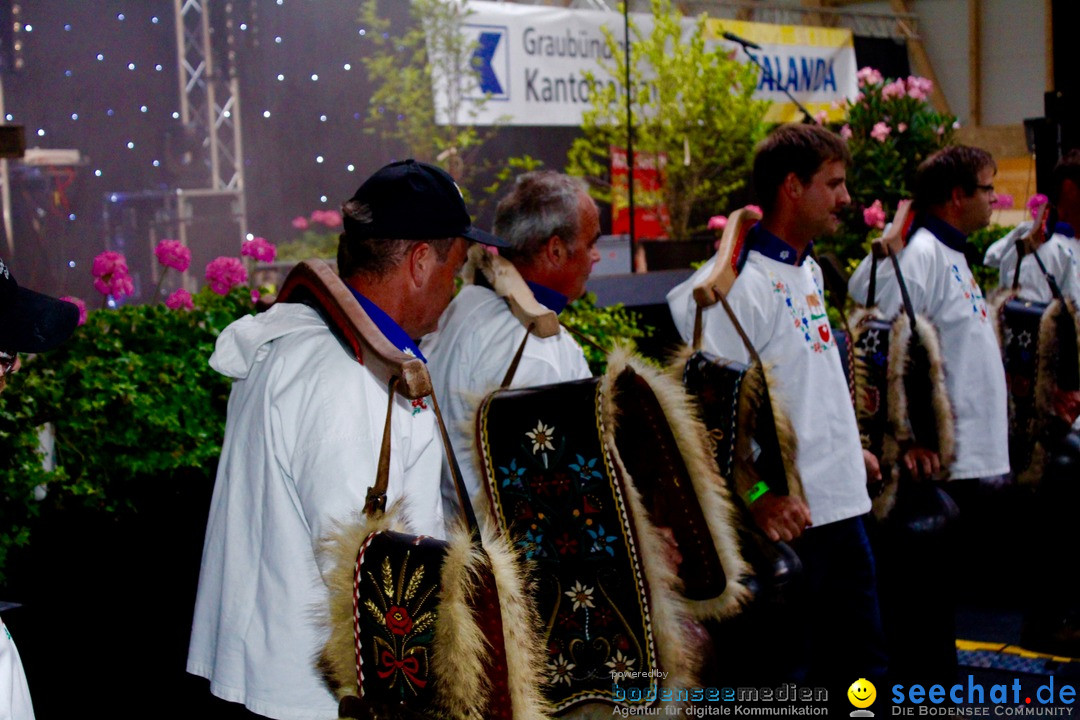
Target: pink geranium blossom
845 132
1035 202
901 127
225 273
874 216
1002 201
868 76
329 218
79 304
895 89
111 276
919 88
259 248
180 298
173 254
300 222
821 116
880 132
718 222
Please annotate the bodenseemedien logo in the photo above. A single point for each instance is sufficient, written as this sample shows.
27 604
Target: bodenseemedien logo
862 694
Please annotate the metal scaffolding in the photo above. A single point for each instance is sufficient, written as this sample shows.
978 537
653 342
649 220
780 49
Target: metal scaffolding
209 110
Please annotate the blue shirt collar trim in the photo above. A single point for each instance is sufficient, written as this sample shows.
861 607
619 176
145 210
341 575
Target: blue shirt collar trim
393 332
774 248
944 232
1064 228
551 299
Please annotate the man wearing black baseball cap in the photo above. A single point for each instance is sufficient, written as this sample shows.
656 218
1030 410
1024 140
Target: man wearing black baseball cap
302 441
29 322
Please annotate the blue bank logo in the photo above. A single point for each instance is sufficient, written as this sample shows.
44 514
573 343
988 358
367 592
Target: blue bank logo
490 60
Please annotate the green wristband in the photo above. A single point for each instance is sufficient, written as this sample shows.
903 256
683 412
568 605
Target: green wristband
759 489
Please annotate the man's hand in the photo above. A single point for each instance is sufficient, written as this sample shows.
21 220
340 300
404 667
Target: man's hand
921 463
781 517
873 467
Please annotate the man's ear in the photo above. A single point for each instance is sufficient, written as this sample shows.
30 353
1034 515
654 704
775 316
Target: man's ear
958 196
555 251
792 186
421 260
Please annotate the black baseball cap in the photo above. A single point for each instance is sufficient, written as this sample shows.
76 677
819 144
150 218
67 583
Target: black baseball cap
411 200
29 321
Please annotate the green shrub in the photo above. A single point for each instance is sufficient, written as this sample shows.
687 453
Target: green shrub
132 400
603 327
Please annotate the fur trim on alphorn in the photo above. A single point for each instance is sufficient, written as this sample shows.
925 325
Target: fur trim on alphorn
460 646
676 652
995 306
690 434
899 359
337 661
750 399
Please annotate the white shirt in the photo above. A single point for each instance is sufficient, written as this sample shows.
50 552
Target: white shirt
468 356
302 442
943 289
1060 254
14 693
782 309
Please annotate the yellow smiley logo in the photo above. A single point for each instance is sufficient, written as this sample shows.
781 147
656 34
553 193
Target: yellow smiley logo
862 693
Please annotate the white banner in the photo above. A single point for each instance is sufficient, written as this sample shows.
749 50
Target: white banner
529 62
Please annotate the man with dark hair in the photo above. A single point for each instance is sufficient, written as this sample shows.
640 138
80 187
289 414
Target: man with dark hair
799 181
1060 254
551 226
302 441
954 195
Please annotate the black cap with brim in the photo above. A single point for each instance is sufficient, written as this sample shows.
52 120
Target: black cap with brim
411 200
30 321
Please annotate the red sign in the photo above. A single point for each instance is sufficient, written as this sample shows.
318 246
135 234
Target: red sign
650 213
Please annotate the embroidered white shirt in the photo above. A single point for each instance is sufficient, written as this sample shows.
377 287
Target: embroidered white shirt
782 309
1060 255
943 289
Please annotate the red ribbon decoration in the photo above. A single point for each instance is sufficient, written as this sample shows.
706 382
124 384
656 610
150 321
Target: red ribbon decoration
410 666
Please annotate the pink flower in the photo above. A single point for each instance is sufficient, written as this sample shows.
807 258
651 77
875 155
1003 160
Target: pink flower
754 208
300 222
821 117
901 127
874 216
1035 202
180 298
845 132
956 125
225 273
718 222
79 304
880 132
868 76
111 275
1002 201
329 218
259 248
919 87
895 89
941 130
173 254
